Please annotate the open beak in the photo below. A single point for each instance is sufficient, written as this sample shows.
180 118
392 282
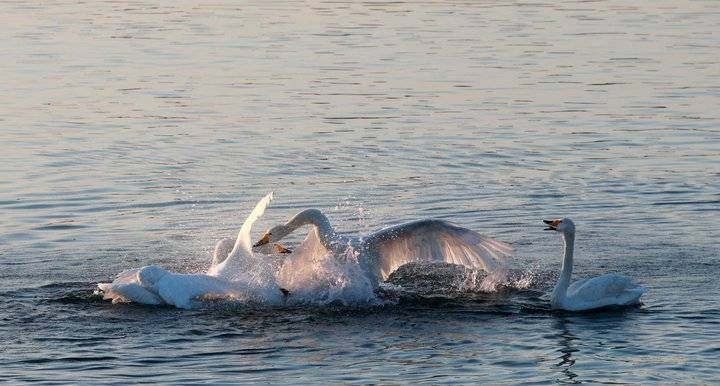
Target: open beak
279 248
552 224
264 240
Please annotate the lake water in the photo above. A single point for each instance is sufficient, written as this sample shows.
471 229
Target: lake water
137 133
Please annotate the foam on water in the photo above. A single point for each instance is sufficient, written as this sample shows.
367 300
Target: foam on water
324 279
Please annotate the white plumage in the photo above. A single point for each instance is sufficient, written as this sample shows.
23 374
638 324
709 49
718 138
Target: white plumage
235 273
380 253
586 294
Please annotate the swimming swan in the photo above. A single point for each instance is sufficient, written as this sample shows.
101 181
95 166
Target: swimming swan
235 273
586 294
382 252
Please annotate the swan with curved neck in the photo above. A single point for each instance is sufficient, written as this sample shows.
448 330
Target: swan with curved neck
381 252
331 240
586 294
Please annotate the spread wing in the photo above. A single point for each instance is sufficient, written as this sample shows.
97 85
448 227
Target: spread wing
242 249
436 241
243 240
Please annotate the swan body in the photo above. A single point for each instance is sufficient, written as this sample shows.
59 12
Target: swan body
587 294
382 252
127 288
235 273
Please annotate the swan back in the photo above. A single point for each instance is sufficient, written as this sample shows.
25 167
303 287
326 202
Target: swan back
149 276
126 288
602 291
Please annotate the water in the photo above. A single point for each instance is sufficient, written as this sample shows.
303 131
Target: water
140 133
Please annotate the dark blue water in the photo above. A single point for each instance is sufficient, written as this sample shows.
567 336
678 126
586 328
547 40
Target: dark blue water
141 133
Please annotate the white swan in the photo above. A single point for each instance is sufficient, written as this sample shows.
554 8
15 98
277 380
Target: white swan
586 294
235 273
381 252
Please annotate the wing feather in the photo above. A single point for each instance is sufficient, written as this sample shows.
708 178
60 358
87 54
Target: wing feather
242 250
436 241
243 240
607 289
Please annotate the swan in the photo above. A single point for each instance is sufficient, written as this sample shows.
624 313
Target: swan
383 251
587 294
235 273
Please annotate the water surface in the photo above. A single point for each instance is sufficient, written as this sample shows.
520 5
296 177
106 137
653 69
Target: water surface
140 133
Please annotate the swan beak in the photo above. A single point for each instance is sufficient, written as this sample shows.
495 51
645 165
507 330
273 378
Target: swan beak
264 240
279 248
552 224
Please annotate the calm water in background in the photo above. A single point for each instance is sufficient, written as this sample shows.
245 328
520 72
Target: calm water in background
135 133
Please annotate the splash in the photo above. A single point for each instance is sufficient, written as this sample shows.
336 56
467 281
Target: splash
309 275
480 281
241 275
314 276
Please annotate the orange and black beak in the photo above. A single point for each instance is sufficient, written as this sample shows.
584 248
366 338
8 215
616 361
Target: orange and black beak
279 248
552 224
264 240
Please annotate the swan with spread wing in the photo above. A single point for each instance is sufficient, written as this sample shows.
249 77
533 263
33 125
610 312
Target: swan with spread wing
382 252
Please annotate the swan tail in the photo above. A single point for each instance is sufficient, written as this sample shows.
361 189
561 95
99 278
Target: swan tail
632 295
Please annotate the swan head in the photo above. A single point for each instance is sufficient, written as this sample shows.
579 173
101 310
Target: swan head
225 246
564 225
273 235
306 217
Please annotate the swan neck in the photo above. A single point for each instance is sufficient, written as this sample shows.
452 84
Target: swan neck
317 219
567 267
568 252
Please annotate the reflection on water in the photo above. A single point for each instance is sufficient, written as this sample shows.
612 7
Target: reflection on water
136 133
566 348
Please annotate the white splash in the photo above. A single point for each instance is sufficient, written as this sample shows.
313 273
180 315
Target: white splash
315 276
240 275
309 274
